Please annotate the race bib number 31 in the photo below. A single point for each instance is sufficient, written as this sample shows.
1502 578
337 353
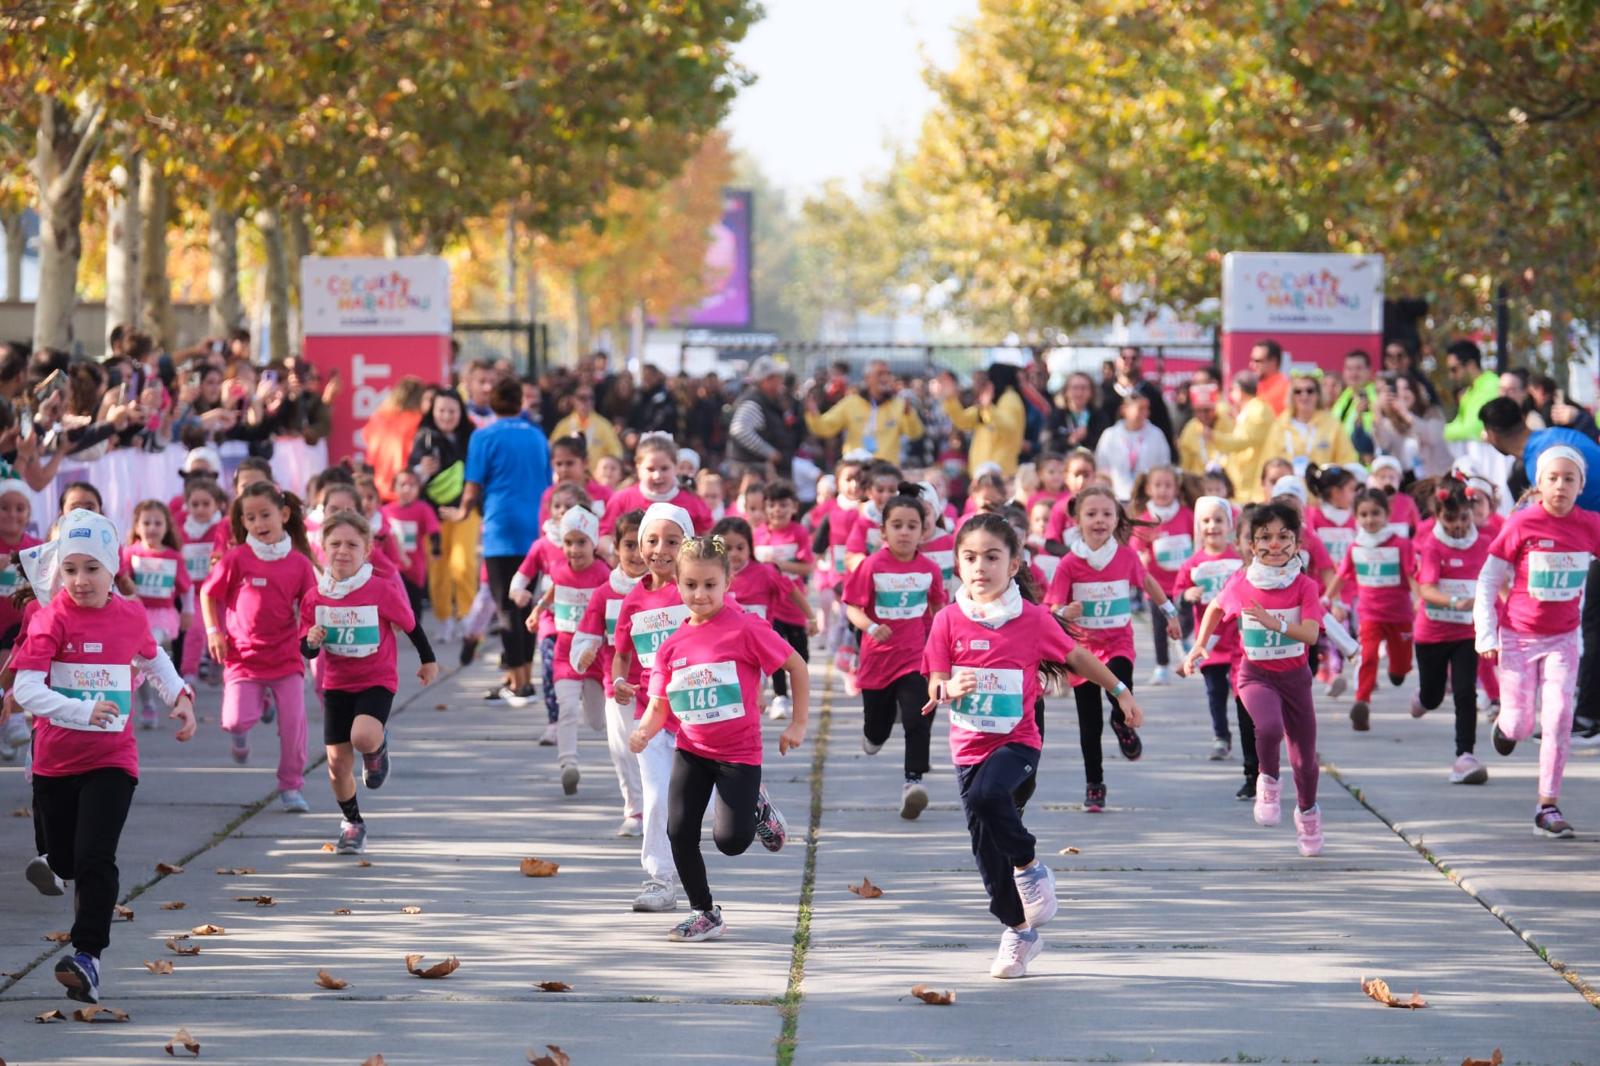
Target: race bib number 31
352 631
995 706
706 693
1262 644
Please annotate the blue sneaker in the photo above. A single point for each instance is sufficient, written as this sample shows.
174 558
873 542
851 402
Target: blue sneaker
80 974
375 767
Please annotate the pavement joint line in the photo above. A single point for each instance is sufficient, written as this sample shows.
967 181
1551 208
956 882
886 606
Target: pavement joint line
794 994
531 996
1579 984
249 811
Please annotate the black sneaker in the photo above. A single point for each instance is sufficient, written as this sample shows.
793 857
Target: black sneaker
469 650
493 694
80 974
1586 732
375 766
1094 797
1128 740
1360 716
1503 744
1547 823
1247 791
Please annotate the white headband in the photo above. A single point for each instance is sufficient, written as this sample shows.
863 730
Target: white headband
583 520
1358 471
210 456
17 485
1213 503
1289 485
666 512
690 456
1561 451
1386 462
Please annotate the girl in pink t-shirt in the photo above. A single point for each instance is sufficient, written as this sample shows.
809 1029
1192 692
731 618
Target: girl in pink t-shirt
74 673
350 617
1546 551
866 535
415 526
204 515
1333 521
1277 610
161 582
656 463
1093 590
892 598
250 606
569 465
544 555
989 656
707 677
1164 543
1080 473
1382 567
785 544
574 574
1404 516
1199 582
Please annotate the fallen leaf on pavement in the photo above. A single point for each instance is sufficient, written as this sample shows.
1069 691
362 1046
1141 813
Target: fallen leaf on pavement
341 910
554 986
1493 1060
1070 851
376 1060
441 706
123 913
557 1057
159 966
866 889
208 930
327 980
364 862
438 969
933 995
175 905
410 910
1378 989
327 847
532 867
58 937
168 868
182 949
236 871
90 1014
259 901
182 1039
22 812
50 1016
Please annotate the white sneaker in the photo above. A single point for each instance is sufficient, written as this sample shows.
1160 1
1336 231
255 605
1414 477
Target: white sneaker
43 878
632 826
1160 676
1268 809
869 747
548 738
1017 949
448 631
780 709
1036 885
913 800
569 778
294 801
656 896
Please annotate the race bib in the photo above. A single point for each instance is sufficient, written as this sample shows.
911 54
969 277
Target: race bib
407 532
8 580
1105 603
945 561
613 609
874 538
899 596
1456 590
153 578
1173 551
652 628
1377 568
197 560
1557 577
1337 540
95 681
995 706
1261 643
569 606
757 609
706 693
352 631
1210 576
777 553
837 554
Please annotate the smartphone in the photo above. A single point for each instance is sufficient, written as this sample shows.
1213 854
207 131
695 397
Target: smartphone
50 385
269 376
25 423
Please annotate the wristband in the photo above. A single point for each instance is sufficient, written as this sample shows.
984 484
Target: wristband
1212 642
213 629
1119 690
1169 609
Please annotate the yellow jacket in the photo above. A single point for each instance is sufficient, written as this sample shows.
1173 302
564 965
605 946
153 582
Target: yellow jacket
600 433
1323 441
853 416
1248 446
1194 453
996 430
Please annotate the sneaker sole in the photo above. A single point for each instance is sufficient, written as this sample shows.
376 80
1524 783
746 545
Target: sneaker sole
1475 777
913 804
1038 947
44 879
710 934
640 908
1310 852
569 780
1268 823
77 988
1361 719
1554 834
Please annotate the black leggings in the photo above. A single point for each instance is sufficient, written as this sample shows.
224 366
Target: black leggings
800 641
1218 689
733 826
82 818
904 699
1457 659
413 593
1158 626
517 640
1091 723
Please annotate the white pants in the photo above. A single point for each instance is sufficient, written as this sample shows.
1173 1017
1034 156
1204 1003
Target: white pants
655 778
619 724
585 699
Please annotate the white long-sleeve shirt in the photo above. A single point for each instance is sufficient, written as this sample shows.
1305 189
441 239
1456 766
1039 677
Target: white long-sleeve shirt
34 694
1125 453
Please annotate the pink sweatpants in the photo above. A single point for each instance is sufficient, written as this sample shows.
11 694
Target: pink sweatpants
242 701
194 643
1539 675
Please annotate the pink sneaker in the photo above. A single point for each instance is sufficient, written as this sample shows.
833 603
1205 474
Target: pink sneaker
1268 811
1308 828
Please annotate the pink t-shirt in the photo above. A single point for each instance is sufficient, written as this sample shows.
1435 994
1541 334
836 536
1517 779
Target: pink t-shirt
1164 547
263 619
1060 521
544 555
1043 496
413 524
84 651
941 551
359 650
1314 559
600 620
1006 661
595 491
759 589
200 549
1551 557
1455 571
711 675
1210 572
1404 518
1262 648
645 620
866 533
633 499
840 524
1381 576
160 578
1336 538
1107 601
574 590
903 596
791 544
10 580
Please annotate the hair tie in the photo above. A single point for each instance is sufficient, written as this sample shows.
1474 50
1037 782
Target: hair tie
1444 494
719 546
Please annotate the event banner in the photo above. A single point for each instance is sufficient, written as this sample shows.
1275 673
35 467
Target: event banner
1318 306
374 321
730 303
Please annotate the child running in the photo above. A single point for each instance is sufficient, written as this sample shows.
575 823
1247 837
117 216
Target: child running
161 581
74 677
1164 544
1199 582
892 597
1383 567
1333 520
656 463
1277 608
988 656
785 544
416 528
205 512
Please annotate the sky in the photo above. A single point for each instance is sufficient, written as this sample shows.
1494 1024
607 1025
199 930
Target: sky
839 84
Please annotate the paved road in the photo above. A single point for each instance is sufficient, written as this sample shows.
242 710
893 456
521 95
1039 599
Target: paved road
1187 933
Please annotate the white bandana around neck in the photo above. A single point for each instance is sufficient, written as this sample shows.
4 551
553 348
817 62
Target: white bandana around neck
1100 557
655 497
551 530
1337 515
195 530
314 516
1263 576
871 513
270 553
1460 544
1167 513
622 584
1374 540
994 614
335 589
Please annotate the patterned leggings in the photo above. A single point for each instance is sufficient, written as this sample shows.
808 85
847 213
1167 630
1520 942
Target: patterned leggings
1539 675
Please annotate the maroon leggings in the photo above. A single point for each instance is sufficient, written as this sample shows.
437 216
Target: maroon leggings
1279 702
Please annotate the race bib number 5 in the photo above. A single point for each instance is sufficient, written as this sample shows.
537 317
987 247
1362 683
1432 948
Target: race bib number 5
900 596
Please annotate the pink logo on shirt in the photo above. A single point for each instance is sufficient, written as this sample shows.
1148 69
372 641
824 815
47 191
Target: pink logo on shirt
702 677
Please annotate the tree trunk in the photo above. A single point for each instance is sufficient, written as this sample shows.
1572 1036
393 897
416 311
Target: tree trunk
393 240
267 221
155 285
299 247
12 221
580 309
222 242
122 247
67 140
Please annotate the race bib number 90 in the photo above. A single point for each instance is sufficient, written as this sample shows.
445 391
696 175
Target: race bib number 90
651 630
